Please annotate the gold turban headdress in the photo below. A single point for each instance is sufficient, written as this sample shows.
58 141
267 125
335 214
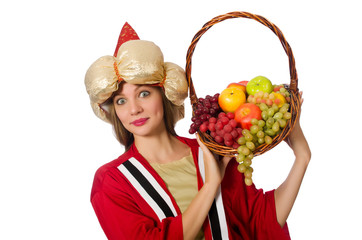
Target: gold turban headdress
138 62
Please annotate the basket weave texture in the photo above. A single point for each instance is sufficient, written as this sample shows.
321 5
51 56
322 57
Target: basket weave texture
292 87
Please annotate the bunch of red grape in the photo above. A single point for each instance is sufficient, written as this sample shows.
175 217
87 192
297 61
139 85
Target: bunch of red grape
223 129
205 109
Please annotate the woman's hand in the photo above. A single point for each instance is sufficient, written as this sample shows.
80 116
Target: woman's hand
195 214
214 169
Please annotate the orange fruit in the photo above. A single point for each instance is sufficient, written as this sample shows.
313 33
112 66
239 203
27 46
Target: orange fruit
231 98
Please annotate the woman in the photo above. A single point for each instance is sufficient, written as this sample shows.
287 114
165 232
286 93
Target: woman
165 186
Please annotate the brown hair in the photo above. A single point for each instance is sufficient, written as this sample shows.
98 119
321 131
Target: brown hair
171 115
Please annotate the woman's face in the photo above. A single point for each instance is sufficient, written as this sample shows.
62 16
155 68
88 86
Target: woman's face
140 109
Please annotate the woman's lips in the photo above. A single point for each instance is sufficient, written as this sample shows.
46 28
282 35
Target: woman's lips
139 122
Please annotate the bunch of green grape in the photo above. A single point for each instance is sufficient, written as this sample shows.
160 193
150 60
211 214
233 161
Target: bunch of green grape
274 119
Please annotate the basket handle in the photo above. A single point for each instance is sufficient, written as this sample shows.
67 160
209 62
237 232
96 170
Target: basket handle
293 72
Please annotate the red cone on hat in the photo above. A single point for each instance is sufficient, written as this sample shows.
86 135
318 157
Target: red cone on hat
127 33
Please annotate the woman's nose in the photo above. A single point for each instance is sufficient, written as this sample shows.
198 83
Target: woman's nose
136 108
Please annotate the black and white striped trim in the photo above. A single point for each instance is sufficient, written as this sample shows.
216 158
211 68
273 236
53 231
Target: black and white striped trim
149 188
160 201
217 219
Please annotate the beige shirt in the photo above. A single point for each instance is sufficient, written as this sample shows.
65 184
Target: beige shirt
181 180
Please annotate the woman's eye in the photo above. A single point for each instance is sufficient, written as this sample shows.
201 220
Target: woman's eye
121 101
144 93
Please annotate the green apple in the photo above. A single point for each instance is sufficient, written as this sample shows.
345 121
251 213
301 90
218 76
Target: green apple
259 83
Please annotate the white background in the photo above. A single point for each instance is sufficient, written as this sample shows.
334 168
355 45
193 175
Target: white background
52 143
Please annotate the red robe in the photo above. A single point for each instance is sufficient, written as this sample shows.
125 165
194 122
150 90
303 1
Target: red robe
124 214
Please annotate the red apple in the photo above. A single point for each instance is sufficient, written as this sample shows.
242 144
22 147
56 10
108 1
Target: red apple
243 82
245 113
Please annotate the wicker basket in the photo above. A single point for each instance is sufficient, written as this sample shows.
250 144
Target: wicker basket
292 87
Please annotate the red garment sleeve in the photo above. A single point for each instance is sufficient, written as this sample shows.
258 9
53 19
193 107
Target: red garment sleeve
251 212
123 214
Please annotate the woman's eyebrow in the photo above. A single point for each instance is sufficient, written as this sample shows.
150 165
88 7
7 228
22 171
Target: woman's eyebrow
120 94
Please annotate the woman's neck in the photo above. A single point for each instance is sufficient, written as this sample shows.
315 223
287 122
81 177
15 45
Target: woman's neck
162 148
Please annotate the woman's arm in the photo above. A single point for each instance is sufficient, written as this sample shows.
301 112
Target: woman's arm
287 192
196 213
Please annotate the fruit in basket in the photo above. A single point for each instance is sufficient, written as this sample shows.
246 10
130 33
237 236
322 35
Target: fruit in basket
205 109
279 99
276 88
259 83
244 82
231 98
269 99
245 113
238 85
223 129
283 91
